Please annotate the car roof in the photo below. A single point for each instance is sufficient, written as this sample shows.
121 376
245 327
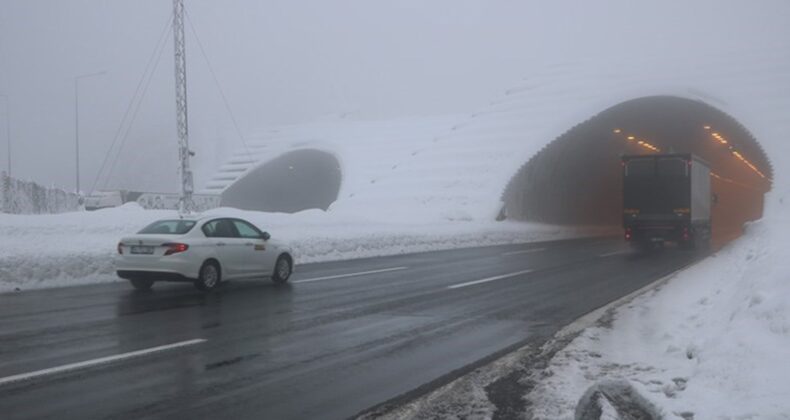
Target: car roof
201 217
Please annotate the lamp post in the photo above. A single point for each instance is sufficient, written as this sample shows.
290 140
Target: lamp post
8 130
77 119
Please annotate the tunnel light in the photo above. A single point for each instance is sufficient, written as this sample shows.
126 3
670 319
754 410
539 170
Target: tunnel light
617 131
642 143
719 138
734 182
747 163
707 127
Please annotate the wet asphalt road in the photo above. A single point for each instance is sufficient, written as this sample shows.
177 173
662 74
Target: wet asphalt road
327 348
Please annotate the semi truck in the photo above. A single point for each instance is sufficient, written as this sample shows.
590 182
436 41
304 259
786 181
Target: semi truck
666 198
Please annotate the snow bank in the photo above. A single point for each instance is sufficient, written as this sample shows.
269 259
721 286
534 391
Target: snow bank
711 343
78 248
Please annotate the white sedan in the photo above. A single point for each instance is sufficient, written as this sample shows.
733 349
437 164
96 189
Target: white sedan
205 251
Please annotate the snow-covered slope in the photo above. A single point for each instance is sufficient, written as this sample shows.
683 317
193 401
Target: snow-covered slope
710 344
463 173
365 149
457 167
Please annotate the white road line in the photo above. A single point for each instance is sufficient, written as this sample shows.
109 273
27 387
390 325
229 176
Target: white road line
340 276
95 362
525 251
609 254
486 280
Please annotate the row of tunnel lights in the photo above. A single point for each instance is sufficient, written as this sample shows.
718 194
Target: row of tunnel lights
640 142
716 136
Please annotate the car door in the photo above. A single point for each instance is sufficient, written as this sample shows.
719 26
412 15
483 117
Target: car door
224 237
255 252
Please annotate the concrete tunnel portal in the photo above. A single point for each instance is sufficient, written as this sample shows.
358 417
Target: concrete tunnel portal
297 180
576 179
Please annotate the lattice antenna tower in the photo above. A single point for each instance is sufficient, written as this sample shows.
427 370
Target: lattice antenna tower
186 204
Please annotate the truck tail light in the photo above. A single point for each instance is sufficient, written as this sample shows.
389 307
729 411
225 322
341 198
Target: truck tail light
628 234
175 248
120 248
686 235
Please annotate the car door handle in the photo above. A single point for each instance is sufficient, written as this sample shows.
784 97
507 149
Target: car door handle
249 244
220 243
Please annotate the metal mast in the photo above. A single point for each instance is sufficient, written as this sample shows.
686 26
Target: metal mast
185 205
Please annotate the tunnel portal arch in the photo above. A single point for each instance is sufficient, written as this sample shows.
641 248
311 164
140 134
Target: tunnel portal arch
576 179
297 180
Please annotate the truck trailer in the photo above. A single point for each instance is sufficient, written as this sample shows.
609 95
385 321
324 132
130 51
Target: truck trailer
666 198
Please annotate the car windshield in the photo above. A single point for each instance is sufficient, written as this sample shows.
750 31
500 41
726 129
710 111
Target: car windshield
169 227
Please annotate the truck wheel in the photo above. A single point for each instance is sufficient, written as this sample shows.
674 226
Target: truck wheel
142 284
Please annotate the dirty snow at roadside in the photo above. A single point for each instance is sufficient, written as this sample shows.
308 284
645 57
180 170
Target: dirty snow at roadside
711 343
40 251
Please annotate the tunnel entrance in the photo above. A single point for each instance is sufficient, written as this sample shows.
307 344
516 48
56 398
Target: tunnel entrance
576 179
295 181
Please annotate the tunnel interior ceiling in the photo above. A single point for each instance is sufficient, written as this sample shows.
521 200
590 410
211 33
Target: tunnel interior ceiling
298 180
576 179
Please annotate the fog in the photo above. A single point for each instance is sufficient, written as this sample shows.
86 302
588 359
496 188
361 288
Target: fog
284 62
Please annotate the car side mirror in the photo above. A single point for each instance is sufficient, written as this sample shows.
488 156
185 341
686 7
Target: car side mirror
266 236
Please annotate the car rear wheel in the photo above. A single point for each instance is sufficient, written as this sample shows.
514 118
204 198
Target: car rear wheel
142 284
209 276
282 270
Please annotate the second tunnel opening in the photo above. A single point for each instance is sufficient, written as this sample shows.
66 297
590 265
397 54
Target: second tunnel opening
297 180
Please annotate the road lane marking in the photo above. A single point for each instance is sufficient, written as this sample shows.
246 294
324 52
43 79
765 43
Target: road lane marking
610 254
95 362
340 276
525 251
486 280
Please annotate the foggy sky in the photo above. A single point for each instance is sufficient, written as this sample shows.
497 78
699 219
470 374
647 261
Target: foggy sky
281 62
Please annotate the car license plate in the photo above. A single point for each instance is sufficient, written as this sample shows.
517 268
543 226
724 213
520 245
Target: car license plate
142 249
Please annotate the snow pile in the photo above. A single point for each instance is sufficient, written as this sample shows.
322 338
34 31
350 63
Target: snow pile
78 248
710 343
65 249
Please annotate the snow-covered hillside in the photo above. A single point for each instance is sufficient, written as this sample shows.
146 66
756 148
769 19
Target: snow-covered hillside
353 142
457 168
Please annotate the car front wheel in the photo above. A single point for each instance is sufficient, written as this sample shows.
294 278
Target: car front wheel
209 276
282 270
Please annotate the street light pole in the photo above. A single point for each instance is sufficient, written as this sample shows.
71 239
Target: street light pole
77 119
8 130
